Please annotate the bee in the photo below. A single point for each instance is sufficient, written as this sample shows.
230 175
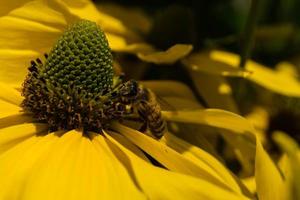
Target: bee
131 98
127 93
151 115
150 112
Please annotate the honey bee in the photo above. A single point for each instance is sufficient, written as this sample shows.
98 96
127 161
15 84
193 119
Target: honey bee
150 112
127 93
140 101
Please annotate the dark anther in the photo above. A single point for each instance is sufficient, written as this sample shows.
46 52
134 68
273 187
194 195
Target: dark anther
114 94
35 74
120 107
71 85
46 55
108 104
32 63
39 61
32 67
43 80
46 89
105 91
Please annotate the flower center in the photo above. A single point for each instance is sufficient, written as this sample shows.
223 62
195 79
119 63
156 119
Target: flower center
81 57
66 91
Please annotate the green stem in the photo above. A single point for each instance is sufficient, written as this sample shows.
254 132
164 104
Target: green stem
247 38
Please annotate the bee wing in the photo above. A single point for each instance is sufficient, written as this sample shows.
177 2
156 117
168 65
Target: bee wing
165 105
152 97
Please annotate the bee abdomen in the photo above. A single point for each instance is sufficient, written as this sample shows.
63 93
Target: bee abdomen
158 128
151 113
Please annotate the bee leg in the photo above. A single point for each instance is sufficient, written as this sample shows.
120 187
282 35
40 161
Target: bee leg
143 128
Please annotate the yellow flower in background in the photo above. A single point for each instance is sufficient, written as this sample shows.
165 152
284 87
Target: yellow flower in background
214 66
289 164
271 180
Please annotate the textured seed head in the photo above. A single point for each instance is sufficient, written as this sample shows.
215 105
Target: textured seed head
64 90
81 58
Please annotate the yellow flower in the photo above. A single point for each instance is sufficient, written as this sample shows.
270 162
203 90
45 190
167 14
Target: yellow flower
289 164
270 180
211 67
35 164
118 163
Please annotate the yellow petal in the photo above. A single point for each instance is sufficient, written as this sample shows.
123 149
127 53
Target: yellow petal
286 143
200 62
259 117
136 48
201 136
292 162
128 145
16 166
153 181
8 109
120 37
168 157
120 44
288 167
116 43
250 184
236 130
60 166
15 119
172 103
131 17
284 165
11 112
269 182
87 10
10 94
203 159
217 92
212 117
170 89
26 33
276 81
286 68
243 147
7 6
173 95
120 183
169 56
13 135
